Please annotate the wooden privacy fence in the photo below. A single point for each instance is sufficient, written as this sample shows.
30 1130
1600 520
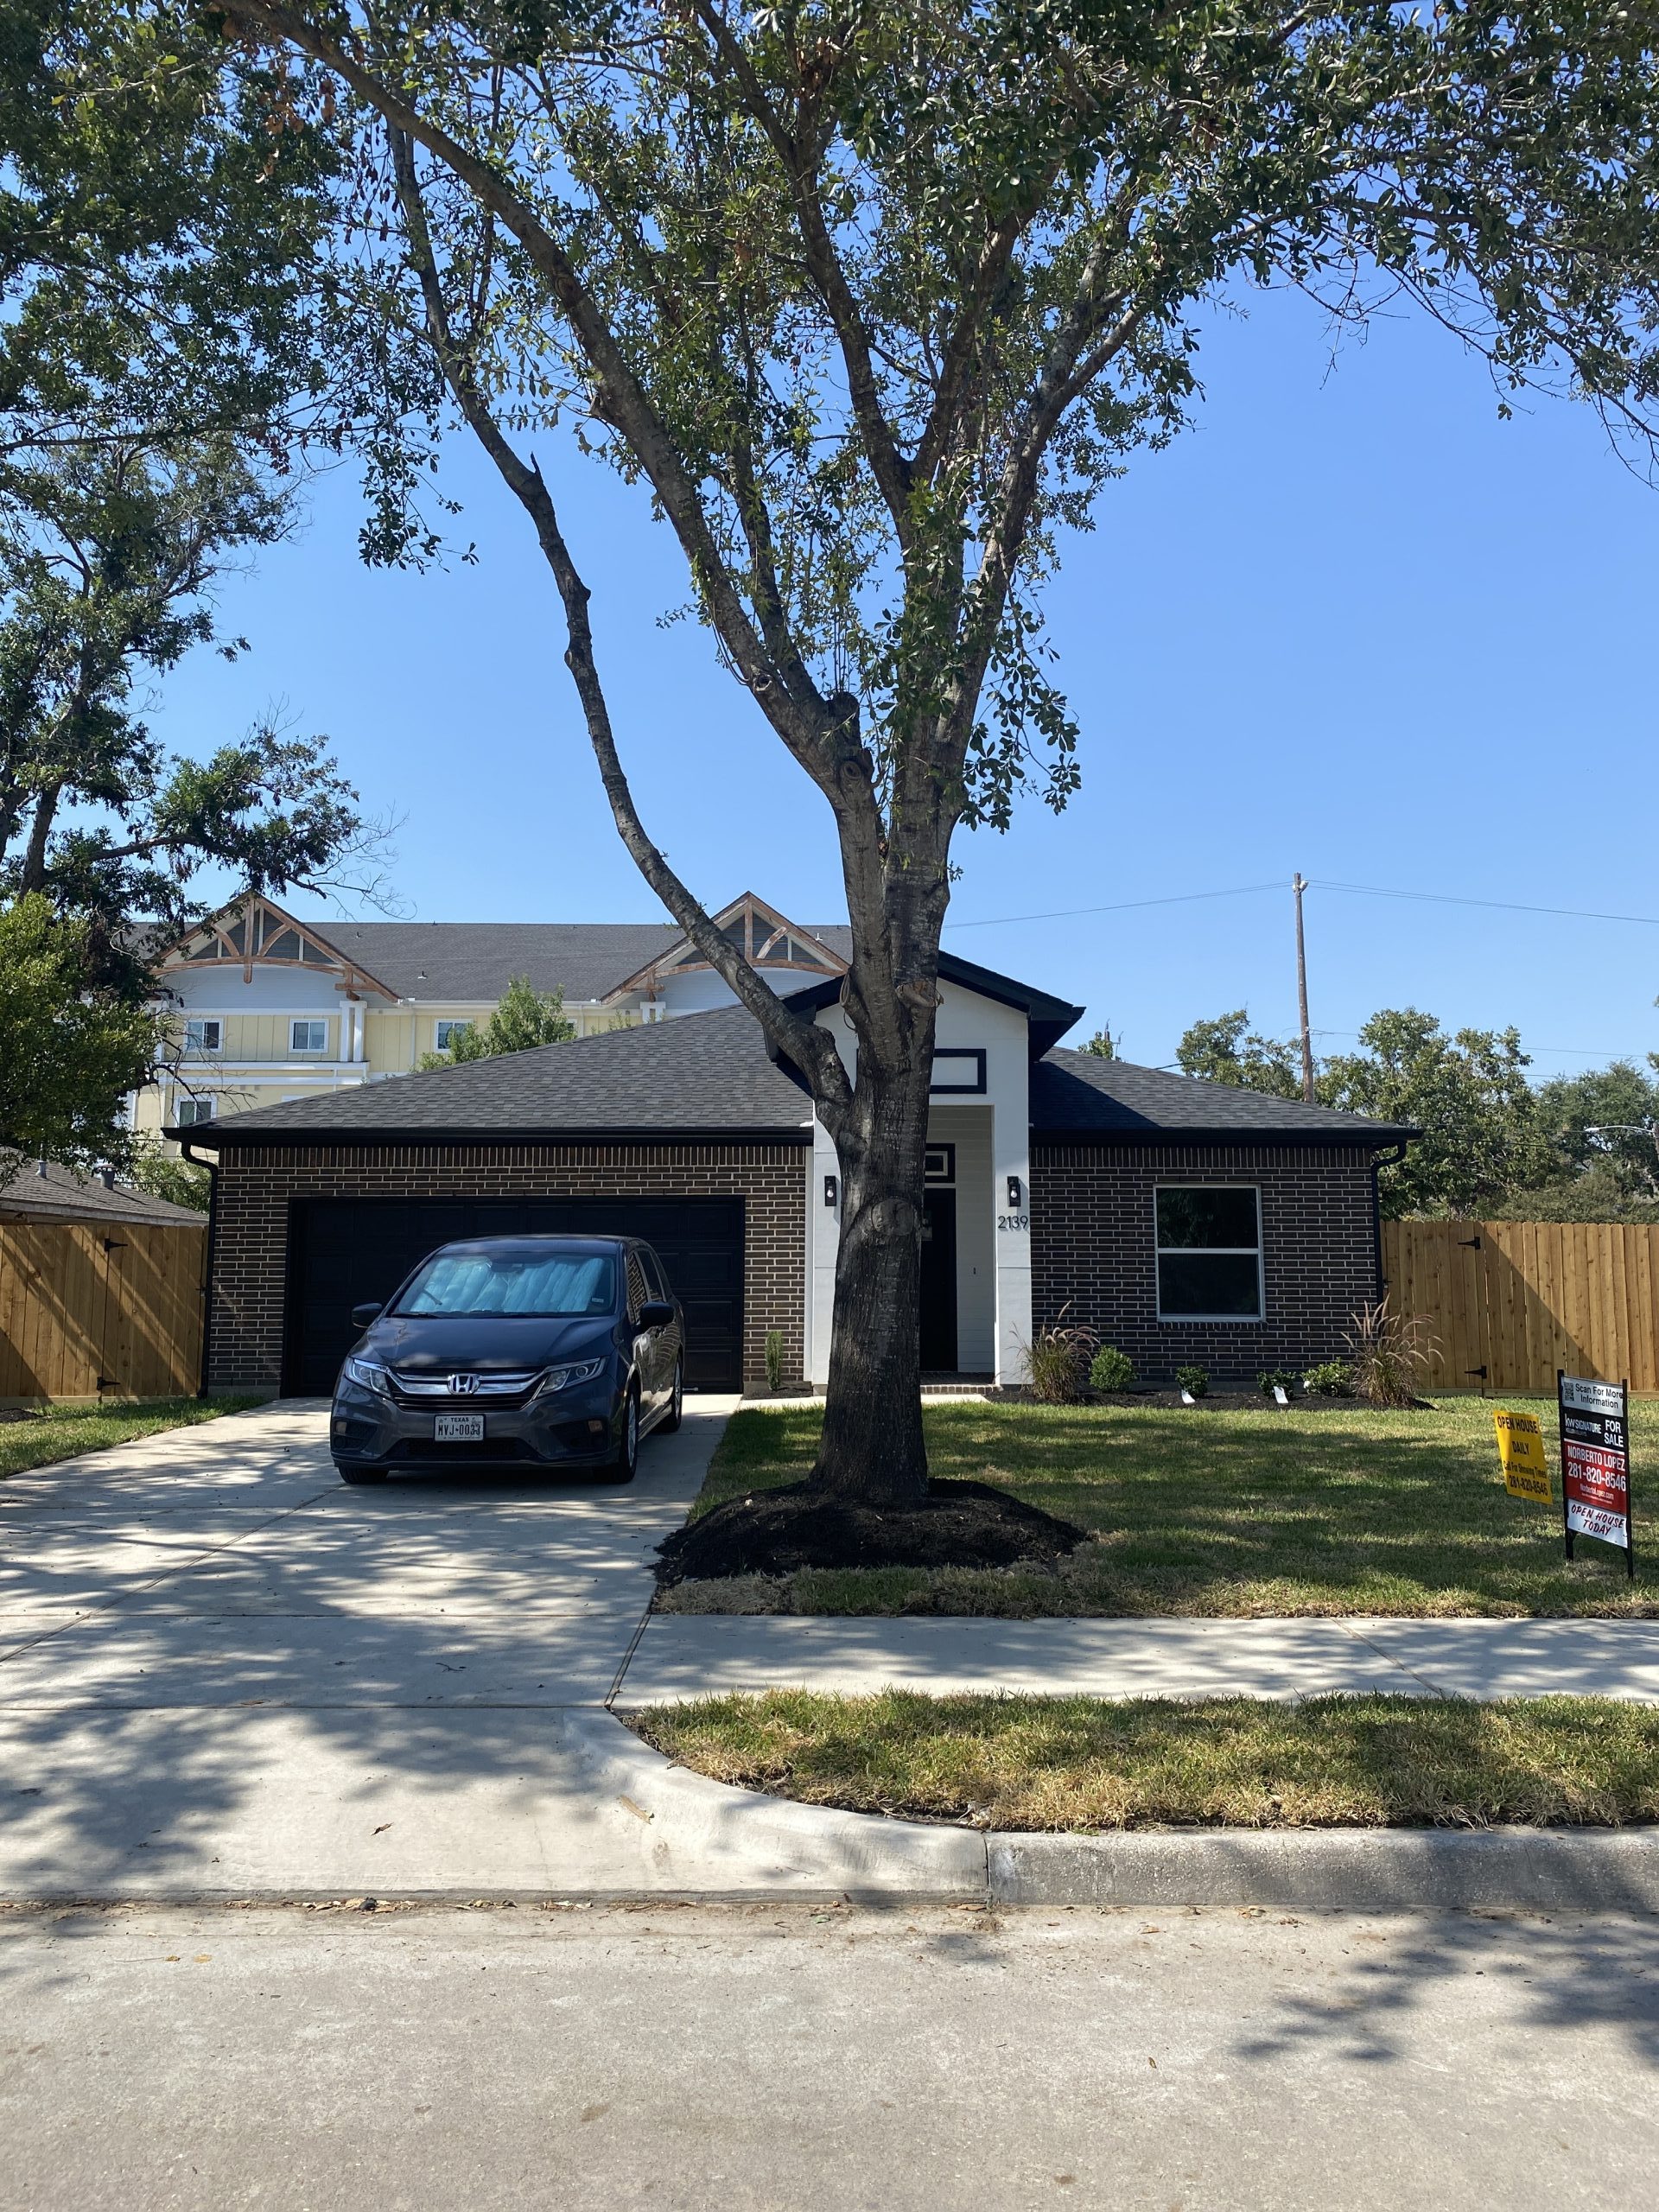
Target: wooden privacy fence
1511 1301
92 1310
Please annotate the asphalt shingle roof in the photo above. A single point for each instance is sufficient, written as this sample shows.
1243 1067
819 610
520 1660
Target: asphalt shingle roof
474 961
702 1072
1079 1094
46 1191
709 1072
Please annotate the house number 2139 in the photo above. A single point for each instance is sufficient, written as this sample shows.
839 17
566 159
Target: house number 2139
1014 1220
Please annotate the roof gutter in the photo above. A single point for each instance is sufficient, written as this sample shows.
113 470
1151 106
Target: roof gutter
374 1138
1240 1138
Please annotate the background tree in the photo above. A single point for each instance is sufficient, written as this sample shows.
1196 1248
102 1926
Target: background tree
1596 1155
108 555
1469 1094
525 1019
1102 1045
1227 1050
873 298
180 1182
68 1058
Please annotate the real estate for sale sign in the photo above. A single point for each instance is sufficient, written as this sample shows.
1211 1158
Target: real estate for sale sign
1595 1420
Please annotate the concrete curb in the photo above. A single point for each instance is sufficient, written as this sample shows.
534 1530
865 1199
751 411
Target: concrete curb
1335 1869
771 1848
709 1841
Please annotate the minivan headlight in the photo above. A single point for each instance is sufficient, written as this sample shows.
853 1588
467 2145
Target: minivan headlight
560 1378
368 1374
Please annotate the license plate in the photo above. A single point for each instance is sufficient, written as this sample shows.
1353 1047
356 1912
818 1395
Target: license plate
458 1428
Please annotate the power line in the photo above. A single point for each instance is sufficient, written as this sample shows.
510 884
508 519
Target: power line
1123 907
1315 883
1499 906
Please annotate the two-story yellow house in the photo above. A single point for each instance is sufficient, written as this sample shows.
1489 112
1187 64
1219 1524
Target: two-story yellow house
264 1007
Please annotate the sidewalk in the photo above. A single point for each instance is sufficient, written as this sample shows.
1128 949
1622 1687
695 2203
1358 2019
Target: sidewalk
692 1655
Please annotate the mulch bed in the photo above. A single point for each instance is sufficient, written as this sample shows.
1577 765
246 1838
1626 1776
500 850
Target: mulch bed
778 1531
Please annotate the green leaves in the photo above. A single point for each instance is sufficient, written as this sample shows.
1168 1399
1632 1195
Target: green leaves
108 553
67 1057
525 1019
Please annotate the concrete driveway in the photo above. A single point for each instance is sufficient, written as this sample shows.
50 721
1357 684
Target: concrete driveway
222 1671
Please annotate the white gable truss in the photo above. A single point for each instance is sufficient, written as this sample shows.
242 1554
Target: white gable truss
257 932
763 937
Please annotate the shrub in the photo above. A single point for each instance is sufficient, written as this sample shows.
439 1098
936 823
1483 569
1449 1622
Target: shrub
1276 1378
1111 1369
1059 1359
1391 1353
1331 1378
1193 1379
774 1359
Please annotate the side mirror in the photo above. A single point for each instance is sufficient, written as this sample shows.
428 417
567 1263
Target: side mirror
363 1317
656 1313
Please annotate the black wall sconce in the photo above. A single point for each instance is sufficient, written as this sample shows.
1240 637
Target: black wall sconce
831 1190
1013 1194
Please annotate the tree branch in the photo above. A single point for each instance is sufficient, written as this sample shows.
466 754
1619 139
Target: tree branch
889 466
811 1049
617 396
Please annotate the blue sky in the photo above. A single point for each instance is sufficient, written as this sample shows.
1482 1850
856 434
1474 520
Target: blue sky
1352 623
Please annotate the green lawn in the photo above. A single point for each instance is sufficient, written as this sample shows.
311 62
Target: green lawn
1222 1512
1075 1762
62 1431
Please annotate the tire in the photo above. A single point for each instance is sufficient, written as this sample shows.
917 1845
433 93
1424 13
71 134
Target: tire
671 1420
626 1464
358 1475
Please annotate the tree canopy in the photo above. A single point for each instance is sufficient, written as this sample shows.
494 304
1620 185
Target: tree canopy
67 1058
108 556
1225 1049
1583 1147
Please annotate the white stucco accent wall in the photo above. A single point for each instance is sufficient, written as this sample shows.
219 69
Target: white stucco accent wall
997 1123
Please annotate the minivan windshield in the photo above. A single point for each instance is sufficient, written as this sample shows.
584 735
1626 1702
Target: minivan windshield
541 1286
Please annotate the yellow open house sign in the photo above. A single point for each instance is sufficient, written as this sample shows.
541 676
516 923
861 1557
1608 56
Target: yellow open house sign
1521 1449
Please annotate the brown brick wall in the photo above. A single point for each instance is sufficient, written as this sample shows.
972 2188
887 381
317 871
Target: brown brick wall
1092 1249
256 1184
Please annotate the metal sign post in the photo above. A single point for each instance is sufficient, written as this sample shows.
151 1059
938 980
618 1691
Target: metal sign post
1595 1427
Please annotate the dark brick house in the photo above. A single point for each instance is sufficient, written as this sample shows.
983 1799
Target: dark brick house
1181 1220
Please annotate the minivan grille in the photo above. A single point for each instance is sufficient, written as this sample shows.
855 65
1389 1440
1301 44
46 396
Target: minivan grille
485 1389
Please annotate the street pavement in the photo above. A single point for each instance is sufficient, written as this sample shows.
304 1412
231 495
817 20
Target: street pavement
825 2061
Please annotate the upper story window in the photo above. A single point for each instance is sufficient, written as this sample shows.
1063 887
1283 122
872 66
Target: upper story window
308 1037
204 1036
193 1111
1209 1252
448 1031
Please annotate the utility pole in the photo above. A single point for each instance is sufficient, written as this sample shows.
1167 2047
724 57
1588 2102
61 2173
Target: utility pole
1298 886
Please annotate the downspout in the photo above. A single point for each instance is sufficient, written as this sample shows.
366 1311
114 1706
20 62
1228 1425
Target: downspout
212 1165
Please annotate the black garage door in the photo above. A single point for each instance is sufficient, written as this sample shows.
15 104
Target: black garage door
343 1252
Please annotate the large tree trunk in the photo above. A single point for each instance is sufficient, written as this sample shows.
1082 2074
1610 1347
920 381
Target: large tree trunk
872 1446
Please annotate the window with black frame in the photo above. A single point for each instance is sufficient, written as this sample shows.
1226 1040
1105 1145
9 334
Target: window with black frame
1209 1252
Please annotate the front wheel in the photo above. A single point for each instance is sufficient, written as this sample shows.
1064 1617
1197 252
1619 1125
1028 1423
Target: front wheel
348 1473
626 1464
671 1420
